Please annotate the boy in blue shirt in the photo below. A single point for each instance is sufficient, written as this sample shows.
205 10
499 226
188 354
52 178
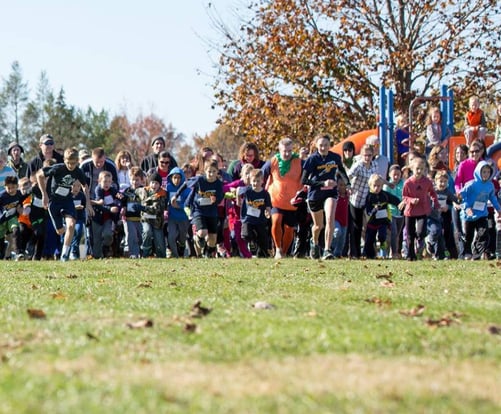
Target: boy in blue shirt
475 196
178 224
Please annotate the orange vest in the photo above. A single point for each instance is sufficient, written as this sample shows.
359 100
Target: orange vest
25 218
474 118
283 189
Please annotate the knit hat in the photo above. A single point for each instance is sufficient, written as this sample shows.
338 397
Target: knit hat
155 177
158 138
13 145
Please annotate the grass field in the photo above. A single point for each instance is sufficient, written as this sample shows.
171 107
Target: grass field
124 336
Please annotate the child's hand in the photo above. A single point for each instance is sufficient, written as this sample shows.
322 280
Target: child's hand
469 212
173 202
213 199
415 201
114 209
444 209
79 207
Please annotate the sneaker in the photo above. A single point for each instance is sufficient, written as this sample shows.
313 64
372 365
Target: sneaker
327 255
278 254
314 251
19 257
64 258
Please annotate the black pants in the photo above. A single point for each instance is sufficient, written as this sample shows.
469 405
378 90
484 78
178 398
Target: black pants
416 230
355 224
476 237
258 234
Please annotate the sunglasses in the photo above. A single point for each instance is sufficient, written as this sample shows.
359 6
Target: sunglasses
48 143
474 151
164 162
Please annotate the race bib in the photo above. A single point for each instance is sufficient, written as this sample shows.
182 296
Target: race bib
37 202
253 211
479 205
130 207
442 202
108 200
149 216
10 212
62 191
77 202
205 201
381 214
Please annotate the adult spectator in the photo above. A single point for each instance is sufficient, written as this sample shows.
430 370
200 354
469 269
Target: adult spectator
16 161
382 161
94 165
163 168
151 161
47 152
283 175
359 175
248 154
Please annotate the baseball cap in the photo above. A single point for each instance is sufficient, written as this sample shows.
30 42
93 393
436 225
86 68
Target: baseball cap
47 139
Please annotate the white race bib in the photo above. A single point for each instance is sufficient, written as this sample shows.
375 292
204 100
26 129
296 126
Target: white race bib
442 202
37 202
11 212
62 191
253 211
204 201
108 200
130 207
381 214
77 202
149 216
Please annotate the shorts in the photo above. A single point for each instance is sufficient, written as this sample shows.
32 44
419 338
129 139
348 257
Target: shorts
318 204
58 210
289 217
205 223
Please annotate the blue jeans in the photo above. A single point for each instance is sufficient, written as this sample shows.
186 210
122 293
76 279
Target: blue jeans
435 240
153 238
77 237
134 237
338 239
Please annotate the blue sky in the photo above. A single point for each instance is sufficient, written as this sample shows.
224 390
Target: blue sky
133 56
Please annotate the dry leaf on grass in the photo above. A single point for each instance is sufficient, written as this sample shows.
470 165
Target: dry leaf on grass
143 323
58 295
145 284
446 320
71 276
495 330
417 311
190 327
92 336
379 301
387 283
198 311
36 313
385 276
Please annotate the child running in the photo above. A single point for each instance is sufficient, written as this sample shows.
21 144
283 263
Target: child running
255 213
58 198
206 194
417 191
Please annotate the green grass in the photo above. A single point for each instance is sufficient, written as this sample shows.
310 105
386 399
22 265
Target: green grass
335 341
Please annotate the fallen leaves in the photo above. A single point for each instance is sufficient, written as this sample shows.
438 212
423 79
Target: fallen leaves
198 311
145 284
417 311
446 320
58 295
36 313
494 330
379 301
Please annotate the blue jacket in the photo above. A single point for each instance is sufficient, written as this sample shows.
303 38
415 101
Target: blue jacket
177 214
476 193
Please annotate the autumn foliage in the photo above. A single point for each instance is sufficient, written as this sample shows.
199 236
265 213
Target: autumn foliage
295 67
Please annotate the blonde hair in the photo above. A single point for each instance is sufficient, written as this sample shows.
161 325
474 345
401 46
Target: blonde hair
103 175
373 180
